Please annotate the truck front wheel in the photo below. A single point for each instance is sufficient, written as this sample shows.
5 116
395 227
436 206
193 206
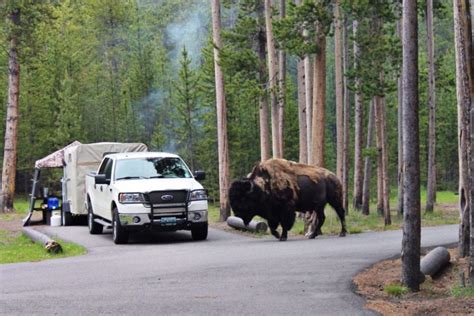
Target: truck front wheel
199 232
94 228
119 233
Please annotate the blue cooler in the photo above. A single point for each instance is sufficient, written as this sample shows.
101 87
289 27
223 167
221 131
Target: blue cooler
53 203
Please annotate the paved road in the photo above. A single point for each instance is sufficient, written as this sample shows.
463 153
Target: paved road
226 275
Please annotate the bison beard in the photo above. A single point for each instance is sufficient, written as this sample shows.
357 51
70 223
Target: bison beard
278 188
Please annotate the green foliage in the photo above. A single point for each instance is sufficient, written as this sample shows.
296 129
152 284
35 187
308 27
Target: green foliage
101 71
459 291
395 289
302 24
187 116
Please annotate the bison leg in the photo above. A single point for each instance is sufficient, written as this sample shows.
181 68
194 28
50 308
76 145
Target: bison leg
287 223
311 221
341 213
318 219
273 228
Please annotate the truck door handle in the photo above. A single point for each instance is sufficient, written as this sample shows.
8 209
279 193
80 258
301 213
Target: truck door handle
110 190
101 188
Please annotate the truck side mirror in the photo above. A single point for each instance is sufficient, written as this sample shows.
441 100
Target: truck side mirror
199 175
101 179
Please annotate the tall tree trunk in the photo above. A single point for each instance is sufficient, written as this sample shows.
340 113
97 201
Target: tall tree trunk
263 99
319 101
431 186
338 63
346 138
471 176
462 37
11 129
471 162
368 162
400 132
222 144
303 141
281 88
308 88
358 130
379 141
411 148
273 74
385 179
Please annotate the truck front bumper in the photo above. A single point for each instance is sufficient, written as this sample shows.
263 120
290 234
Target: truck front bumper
141 219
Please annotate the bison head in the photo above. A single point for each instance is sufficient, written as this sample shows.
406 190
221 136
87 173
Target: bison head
244 197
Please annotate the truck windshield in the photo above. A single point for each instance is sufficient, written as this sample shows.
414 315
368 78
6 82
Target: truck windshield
147 168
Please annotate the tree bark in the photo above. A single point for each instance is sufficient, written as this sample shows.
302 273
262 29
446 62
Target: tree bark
461 28
471 176
346 138
381 174
385 178
461 37
338 62
273 76
281 88
222 143
431 186
308 85
263 100
358 130
319 101
400 133
303 140
367 162
7 195
411 274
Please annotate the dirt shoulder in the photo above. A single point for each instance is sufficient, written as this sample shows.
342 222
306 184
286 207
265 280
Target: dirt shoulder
434 297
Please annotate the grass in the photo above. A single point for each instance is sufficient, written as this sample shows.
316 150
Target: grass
16 247
19 248
459 291
395 289
357 222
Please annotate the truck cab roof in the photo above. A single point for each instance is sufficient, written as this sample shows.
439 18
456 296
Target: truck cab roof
131 155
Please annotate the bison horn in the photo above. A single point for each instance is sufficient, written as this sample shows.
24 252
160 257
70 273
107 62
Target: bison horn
251 187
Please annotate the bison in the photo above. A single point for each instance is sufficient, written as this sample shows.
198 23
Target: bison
277 189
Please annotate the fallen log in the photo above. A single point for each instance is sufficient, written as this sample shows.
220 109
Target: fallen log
434 261
49 244
254 226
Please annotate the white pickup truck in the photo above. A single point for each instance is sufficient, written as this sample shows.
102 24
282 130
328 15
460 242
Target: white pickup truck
145 190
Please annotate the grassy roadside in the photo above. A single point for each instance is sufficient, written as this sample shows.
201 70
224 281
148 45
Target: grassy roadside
445 213
16 247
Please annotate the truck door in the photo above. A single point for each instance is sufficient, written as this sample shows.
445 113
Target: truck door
102 194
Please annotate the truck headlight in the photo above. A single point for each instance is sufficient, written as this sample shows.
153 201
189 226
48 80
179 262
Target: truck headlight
131 198
198 195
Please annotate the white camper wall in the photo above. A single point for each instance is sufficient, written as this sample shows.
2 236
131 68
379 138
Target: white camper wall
86 158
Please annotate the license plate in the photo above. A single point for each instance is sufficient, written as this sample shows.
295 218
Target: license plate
168 221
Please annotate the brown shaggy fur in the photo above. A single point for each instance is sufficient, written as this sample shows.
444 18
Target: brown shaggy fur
282 174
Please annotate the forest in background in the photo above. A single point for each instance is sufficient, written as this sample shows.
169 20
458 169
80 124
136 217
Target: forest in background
142 71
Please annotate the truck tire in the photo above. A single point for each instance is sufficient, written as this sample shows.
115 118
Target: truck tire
66 218
119 233
94 228
199 232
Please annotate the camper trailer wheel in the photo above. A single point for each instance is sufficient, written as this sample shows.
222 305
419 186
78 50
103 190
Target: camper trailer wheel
94 228
119 233
66 218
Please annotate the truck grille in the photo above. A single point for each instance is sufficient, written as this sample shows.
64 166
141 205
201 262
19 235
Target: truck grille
167 198
167 203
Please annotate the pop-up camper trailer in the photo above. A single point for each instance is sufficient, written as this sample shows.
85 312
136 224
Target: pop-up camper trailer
77 160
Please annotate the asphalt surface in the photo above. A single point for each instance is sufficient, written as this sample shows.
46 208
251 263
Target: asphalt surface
228 274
